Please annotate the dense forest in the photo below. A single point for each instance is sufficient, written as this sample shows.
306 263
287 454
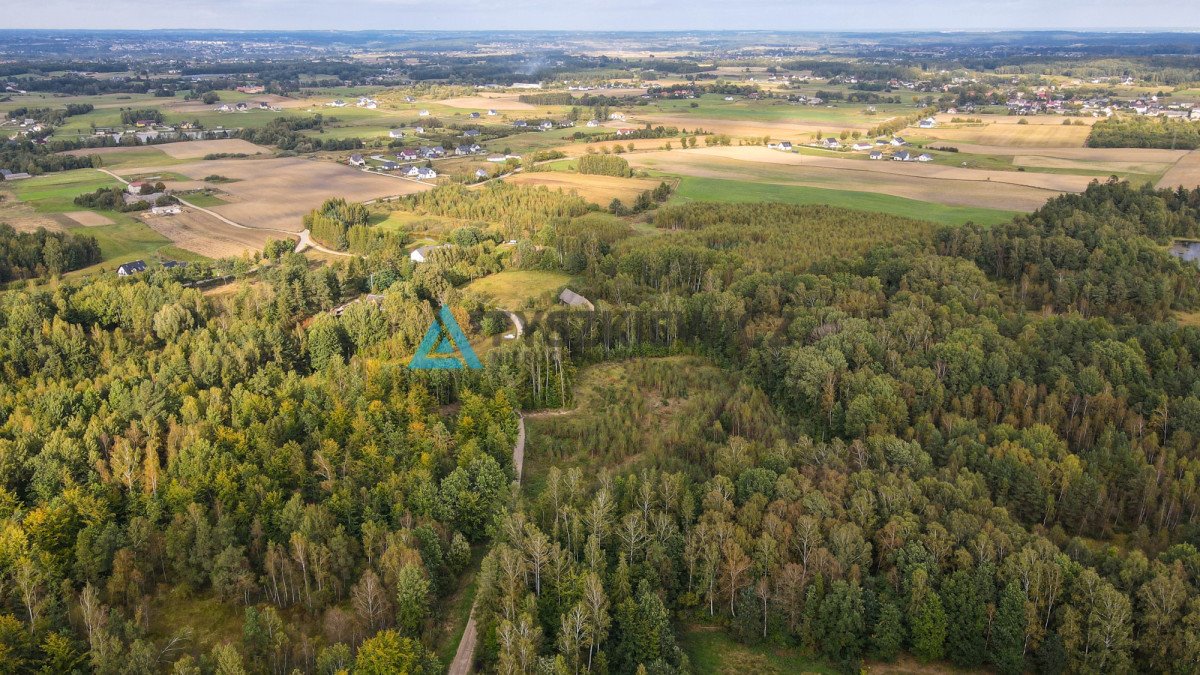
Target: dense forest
853 435
1144 132
24 255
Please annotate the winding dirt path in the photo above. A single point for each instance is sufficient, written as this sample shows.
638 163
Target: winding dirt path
464 657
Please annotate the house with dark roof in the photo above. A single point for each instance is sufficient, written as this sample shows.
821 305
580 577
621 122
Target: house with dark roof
131 268
575 300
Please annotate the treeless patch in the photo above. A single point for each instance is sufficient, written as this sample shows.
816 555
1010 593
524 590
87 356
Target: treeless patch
195 149
1186 172
89 218
854 175
484 102
201 233
277 193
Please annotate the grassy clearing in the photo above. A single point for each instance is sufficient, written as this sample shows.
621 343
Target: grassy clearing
134 157
203 199
517 289
720 190
712 652
55 192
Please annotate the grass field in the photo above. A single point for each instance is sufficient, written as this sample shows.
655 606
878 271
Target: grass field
517 289
51 198
712 652
718 190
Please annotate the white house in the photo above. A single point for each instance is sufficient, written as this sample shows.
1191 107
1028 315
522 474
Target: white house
924 158
131 268
426 174
492 113
831 143
618 116
169 210
898 141
423 113
421 254
785 146
901 156
357 160
593 123
876 154
927 123
396 133
862 146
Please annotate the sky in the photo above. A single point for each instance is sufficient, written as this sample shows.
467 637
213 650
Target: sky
804 15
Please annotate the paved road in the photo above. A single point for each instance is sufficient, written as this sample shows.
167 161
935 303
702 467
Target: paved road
464 657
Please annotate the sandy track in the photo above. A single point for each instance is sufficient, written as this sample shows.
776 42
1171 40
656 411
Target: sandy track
1186 172
975 193
201 233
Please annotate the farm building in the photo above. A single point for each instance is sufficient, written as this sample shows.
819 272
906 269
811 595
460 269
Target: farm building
576 300
785 146
927 123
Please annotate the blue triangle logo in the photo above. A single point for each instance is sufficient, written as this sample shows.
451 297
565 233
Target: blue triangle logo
442 346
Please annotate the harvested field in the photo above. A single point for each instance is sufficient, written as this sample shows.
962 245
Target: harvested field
1048 162
197 149
792 131
1009 134
201 233
24 218
579 149
1047 181
597 189
275 194
89 218
1138 155
1186 172
486 102
942 185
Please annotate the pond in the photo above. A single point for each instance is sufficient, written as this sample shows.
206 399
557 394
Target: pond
1186 250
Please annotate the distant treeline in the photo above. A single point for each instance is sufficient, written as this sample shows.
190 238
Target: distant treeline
862 71
1145 132
24 255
